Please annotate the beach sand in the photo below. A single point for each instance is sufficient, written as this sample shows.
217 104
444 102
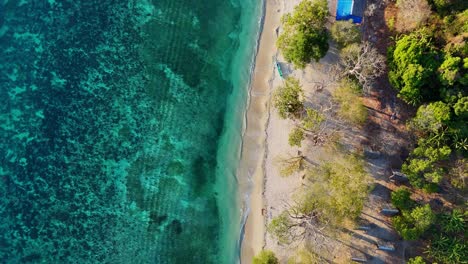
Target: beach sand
254 140
260 138
266 136
266 140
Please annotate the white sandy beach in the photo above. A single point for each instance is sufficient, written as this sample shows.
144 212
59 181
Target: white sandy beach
259 142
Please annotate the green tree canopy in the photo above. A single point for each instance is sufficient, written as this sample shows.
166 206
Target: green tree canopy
351 107
265 257
401 199
412 224
412 63
449 70
431 117
288 99
345 33
461 106
337 189
454 222
304 36
280 227
422 166
416 260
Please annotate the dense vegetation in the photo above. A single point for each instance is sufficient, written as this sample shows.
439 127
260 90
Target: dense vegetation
288 99
428 66
335 193
265 257
304 37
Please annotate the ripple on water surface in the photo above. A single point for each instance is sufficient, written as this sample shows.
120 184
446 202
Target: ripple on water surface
112 115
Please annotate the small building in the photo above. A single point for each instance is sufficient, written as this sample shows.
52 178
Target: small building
350 9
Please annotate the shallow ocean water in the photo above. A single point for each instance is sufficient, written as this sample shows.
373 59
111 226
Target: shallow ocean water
120 129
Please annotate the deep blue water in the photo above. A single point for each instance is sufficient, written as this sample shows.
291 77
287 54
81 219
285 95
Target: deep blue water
120 127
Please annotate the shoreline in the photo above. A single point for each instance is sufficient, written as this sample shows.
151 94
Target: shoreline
254 146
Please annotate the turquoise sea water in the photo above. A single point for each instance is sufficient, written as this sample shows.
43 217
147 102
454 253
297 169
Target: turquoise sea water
120 129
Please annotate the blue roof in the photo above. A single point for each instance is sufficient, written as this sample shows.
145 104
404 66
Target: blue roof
344 11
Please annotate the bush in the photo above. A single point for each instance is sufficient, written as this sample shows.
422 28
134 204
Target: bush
412 224
351 107
451 250
345 33
454 222
265 257
288 99
295 137
401 199
416 260
312 120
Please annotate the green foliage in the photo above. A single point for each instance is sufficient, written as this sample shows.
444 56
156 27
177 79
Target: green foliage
401 199
345 33
461 106
307 14
445 7
449 70
455 28
412 224
459 173
431 117
448 249
288 99
304 256
422 165
412 63
454 222
304 37
295 137
351 107
312 120
291 165
337 189
416 260
280 227
265 257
